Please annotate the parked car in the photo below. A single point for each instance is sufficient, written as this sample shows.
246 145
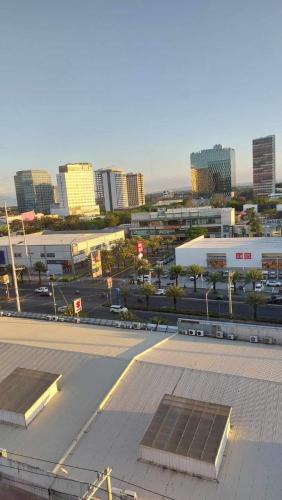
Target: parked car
259 287
160 291
46 293
62 309
118 309
274 299
165 274
41 289
219 296
273 283
191 278
272 274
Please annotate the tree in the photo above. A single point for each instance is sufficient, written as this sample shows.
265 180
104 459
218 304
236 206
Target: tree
148 290
111 219
254 299
218 200
124 293
252 276
174 292
254 224
39 267
154 243
159 271
194 231
143 267
194 270
175 271
236 276
213 279
107 260
127 316
157 320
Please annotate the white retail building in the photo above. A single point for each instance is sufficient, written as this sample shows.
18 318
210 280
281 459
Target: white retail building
231 253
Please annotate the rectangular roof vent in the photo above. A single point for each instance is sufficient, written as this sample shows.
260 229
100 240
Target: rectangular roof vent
24 393
187 435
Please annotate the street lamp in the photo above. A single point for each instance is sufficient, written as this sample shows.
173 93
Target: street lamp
207 303
230 276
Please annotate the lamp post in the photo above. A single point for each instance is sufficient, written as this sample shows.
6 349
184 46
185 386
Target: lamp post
230 308
207 302
54 298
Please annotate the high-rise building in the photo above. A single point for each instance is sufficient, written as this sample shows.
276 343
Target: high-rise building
264 165
34 190
135 189
76 190
213 171
111 189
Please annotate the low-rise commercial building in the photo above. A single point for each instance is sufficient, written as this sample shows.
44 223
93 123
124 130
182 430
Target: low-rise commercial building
231 253
59 252
176 222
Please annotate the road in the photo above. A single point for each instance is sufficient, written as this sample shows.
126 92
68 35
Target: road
95 302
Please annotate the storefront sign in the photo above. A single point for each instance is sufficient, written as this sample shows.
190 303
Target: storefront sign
139 249
96 265
243 255
77 306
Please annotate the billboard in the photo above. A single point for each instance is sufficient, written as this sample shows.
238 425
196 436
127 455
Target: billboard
28 216
95 263
4 279
139 249
243 255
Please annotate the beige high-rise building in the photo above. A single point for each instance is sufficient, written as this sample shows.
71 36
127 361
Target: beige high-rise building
135 189
264 166
76 190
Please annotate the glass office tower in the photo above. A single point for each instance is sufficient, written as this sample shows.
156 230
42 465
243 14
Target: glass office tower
264 166
34 190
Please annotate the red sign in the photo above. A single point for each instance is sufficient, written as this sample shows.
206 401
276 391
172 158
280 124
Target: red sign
77 306
245 255
28 216
139 247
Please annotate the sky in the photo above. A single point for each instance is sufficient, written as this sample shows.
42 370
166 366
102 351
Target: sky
138 84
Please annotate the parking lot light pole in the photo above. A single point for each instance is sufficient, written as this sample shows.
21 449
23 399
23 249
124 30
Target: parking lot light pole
230 308
207 302
54 298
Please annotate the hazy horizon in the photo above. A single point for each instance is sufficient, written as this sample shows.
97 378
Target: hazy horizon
137 85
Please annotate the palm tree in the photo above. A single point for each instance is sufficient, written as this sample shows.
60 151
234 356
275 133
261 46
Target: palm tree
124 293
143 267
194 270
175 271
174 292
40 268
127 316
236 276
159 271
213 279
154 243
108 260
157 320
148 290
255 299
252 276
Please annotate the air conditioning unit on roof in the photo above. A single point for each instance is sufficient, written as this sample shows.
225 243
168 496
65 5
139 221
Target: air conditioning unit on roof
200 333
268 340
219 335
231 336
254 338
192 332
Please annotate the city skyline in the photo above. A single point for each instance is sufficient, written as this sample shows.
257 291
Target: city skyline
137 87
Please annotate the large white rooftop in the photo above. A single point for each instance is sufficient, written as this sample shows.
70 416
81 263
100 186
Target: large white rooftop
264 244
58 238
247 377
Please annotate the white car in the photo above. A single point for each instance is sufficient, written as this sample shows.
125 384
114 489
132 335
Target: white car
160 291
273 283
42 289
118 309
62 309
259 287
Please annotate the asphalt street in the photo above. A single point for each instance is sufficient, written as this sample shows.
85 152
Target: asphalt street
95 302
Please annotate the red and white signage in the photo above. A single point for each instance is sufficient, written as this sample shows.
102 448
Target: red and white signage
139 249
243 255
109 282
77 305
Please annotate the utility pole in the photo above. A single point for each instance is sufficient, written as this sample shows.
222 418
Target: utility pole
13 262
54 298
207 302
104 476
230 309
28 262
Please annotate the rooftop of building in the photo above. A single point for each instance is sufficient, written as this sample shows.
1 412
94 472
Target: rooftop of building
246 377
163 211
58 237
265 244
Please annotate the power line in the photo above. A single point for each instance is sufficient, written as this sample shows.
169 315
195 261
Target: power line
92 470
52 476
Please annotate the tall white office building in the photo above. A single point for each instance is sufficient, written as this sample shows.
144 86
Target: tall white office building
75 190
111 189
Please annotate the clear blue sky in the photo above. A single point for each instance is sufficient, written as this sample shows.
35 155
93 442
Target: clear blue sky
137 83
